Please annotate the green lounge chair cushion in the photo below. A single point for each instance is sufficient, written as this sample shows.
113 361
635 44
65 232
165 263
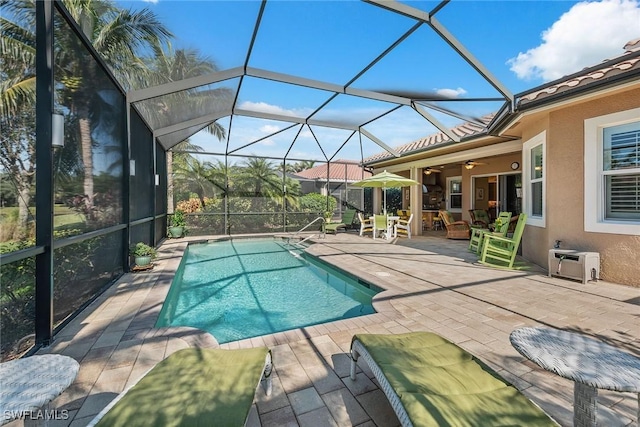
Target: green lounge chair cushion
193 387
332 227
440 384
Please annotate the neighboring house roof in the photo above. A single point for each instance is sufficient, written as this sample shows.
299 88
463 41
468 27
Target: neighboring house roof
463 130
338 171
606 72
628 61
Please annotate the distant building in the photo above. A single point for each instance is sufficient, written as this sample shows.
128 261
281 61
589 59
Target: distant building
334 179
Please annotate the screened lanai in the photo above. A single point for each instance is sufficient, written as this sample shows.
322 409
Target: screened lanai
105 135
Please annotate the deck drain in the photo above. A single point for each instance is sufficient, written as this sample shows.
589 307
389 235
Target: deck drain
382 274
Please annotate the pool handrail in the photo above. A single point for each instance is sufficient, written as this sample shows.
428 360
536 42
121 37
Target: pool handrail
307 226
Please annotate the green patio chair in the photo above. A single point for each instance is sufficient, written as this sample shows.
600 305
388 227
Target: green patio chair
381 224
500 228
500 251
348 217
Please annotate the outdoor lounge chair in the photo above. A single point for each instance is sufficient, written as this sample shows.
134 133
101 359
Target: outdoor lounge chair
430 381
455 229
348 217
500 251
192 387
499 228
332 227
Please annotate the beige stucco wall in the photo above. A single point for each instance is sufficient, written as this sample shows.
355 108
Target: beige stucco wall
619 254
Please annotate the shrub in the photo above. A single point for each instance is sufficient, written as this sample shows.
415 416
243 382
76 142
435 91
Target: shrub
142 249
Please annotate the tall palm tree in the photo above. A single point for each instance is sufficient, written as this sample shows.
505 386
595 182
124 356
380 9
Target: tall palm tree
117 35
168 66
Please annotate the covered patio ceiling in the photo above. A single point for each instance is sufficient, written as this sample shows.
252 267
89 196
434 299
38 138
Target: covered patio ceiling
313 99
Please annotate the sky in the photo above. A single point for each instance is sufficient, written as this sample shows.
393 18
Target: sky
522 44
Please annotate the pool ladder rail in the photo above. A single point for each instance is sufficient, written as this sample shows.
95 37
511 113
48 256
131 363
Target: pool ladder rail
294 235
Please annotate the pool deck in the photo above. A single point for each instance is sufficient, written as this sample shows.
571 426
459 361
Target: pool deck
432 284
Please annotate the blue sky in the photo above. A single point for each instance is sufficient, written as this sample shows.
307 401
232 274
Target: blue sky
522 43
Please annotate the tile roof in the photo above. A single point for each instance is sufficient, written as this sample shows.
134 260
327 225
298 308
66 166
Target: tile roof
628 61
463 130
354 172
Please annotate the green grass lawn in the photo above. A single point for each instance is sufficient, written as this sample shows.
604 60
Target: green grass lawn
63 218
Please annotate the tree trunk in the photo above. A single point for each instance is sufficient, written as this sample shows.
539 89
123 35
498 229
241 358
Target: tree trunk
87 160
24 198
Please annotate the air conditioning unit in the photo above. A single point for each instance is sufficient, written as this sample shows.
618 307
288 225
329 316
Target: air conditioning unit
575 265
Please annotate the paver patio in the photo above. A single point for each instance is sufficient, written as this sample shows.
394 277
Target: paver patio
431 283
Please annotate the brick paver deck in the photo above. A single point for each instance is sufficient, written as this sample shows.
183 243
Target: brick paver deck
431 284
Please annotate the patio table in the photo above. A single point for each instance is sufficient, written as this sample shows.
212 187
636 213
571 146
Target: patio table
590 363
28 384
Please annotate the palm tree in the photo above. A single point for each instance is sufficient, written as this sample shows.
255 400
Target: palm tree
197 177
258 177
116 34
168 66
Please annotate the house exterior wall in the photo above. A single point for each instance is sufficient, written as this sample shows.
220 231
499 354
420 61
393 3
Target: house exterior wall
619 253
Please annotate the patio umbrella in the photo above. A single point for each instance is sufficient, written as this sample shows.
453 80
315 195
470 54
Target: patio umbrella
385 180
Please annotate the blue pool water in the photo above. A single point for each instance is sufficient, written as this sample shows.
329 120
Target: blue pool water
238 289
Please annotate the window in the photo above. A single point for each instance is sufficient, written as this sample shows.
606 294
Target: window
454 194
612 173
533 153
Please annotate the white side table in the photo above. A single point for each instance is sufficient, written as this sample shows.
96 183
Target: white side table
28 384
590 363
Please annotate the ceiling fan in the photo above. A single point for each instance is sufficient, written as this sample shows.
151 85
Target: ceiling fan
429 170
470 164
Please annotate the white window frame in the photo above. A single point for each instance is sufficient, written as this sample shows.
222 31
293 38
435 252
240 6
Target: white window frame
594 203
527 205
449 179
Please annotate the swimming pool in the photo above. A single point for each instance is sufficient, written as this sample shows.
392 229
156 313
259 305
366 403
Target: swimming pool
243 288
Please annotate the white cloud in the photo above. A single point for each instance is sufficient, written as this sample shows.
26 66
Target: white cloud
451 93
151 1
269 128
587 34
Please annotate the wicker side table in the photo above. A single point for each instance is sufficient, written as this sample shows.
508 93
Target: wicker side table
28 384
590 363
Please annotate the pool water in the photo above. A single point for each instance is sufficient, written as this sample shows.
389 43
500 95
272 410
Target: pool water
243 288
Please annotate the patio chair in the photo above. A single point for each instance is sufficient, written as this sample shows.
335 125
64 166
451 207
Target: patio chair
193 386
500 251
403 226
381 224
366 225
430 381
479 218
455 229
348 217
500 228
332 227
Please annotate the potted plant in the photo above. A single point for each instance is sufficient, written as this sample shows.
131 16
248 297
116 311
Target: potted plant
177 226
142 254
